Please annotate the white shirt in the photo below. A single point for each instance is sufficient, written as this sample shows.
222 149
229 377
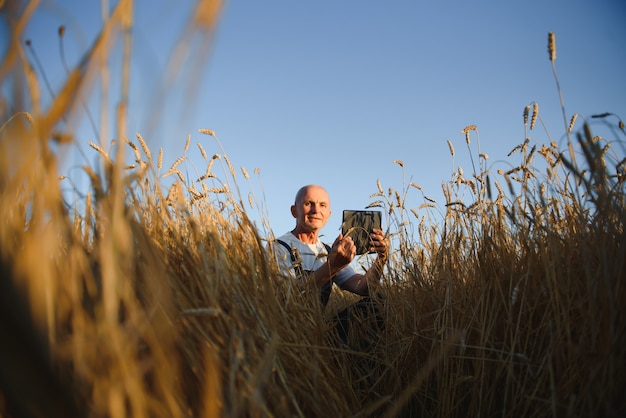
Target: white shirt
313 257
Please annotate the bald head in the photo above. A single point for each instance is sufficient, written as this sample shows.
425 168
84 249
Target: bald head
303 191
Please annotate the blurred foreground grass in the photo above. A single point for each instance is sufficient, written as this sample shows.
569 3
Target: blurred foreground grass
145 300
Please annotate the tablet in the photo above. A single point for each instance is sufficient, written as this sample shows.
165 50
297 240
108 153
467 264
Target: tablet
358 224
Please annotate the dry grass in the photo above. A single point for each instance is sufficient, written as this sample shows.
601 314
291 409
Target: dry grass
145 300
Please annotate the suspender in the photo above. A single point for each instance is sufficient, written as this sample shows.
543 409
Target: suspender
296 260
284 244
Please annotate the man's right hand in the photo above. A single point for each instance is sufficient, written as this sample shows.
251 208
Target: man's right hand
342 252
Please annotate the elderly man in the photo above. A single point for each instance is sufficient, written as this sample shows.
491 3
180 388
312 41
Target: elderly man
312 262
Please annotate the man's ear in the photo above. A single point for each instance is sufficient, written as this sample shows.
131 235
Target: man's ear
293 211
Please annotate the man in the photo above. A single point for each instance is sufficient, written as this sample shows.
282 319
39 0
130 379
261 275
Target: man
314 263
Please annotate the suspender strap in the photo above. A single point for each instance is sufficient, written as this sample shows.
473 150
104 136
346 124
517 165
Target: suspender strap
289 250
297 265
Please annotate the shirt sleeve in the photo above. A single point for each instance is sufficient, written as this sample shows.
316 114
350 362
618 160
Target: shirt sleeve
344 274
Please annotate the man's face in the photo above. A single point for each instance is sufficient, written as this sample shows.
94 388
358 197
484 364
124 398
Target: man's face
312 210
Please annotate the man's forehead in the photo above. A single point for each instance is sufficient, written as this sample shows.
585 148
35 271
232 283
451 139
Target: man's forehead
315 194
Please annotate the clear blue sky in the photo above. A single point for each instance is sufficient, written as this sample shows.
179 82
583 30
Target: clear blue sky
332 92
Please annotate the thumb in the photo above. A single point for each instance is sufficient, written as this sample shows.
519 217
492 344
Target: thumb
339 238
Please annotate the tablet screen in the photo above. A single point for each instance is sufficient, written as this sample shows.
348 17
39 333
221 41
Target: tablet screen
358 224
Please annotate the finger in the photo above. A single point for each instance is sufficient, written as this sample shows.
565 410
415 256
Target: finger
377 241
378 232
349 248
380 245
338 240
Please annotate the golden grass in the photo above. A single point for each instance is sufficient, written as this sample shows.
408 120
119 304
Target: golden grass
139 301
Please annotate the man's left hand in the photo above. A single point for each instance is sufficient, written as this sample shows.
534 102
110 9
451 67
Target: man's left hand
379 244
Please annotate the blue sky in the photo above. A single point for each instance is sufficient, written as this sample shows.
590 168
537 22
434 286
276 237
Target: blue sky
332 92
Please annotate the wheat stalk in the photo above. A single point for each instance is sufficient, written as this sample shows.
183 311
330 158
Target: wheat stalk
144 147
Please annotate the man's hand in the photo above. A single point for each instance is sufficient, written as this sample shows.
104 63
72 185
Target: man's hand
379 244
342 252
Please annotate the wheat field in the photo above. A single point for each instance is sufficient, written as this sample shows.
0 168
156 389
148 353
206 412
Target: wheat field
153 294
